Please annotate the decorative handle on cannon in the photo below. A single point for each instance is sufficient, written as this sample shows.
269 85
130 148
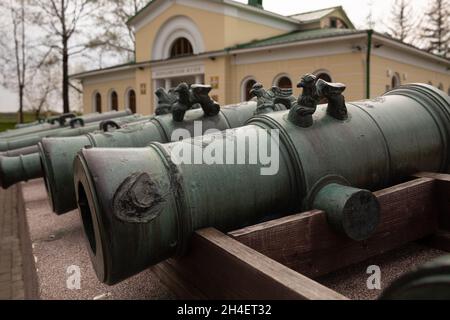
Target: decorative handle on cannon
315 90
274 99
184 98
74 122
107 124
63 118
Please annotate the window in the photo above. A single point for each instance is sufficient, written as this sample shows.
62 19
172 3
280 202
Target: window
132 100
98 102
333 23
395 81
181 47
114 101
247 87
441 86
284 83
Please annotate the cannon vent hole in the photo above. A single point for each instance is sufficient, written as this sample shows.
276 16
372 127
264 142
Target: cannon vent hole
86 216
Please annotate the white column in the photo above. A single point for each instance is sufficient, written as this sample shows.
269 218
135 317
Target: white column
199 79
168 84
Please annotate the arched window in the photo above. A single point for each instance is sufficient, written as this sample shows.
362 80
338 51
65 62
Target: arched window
181 47
247 85
114 101
132 100
284 83
395 81
98 102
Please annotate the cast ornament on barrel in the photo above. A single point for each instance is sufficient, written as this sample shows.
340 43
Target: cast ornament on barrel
139 207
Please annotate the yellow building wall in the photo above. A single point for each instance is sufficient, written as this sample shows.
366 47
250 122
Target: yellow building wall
238 31
218 69
380 79
120 86
145 92
218 31
345 68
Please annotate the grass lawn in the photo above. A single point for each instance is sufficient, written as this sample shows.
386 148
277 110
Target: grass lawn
9 120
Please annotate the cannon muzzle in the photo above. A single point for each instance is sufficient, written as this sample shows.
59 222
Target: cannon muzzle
20 168
24 163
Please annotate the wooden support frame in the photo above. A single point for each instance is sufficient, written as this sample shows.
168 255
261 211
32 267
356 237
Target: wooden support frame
278 258
307 244
441 239
220 267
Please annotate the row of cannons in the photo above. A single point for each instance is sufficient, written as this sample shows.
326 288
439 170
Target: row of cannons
139 206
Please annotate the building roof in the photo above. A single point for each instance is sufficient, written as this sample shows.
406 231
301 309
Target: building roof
313 15
297 36
231 3
317 15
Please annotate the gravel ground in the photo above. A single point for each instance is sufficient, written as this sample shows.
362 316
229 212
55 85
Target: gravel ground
58 243
352 281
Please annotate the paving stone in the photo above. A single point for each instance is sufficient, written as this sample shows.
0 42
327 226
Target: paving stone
11 269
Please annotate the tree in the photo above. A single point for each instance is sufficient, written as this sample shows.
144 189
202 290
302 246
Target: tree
436 29
370 22
14 50
61 20
115 35
43 85
401 24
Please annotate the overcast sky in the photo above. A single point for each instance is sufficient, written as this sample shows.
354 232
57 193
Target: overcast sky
357 11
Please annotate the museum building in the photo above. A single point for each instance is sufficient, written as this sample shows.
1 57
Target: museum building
231 46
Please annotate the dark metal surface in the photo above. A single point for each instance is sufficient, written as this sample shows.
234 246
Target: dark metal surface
57 154
382 142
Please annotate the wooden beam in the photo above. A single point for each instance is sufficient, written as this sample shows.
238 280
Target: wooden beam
306 243
442 196
219 267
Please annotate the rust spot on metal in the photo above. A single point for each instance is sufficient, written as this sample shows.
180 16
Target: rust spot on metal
137 199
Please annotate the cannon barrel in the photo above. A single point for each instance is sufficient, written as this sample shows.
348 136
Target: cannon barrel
25 163
20 151
58 122
57 154
140 206
49 123
23 167
33 138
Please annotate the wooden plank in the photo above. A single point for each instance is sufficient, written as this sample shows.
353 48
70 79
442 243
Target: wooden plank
306 243
442 196
219 267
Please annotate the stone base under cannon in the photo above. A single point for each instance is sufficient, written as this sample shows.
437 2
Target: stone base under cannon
294 257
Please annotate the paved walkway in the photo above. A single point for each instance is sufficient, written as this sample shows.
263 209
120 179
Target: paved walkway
11 267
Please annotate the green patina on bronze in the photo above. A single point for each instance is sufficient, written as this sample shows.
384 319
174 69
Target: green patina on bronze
24 163
57 154
333 164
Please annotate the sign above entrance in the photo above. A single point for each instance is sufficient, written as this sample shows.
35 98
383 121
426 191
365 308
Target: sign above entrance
177 71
